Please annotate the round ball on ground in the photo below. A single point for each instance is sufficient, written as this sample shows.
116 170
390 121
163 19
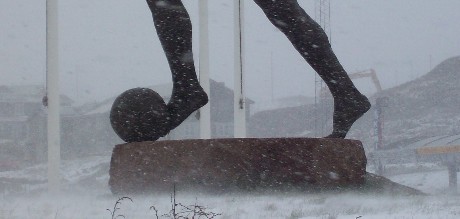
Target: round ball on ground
139 114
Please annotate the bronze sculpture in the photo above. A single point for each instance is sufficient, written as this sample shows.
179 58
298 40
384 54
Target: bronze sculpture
174 29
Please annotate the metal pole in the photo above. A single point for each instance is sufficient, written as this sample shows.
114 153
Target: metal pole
239 98
205 111
52 92
376 128
452 168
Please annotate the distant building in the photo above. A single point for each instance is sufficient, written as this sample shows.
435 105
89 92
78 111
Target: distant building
17 105
23 122
405 152
284 102
87 131
294 117
95 125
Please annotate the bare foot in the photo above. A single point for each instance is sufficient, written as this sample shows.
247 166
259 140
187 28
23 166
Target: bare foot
346 112
184 101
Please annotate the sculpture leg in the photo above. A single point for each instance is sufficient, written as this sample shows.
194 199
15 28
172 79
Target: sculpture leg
310 40
174 30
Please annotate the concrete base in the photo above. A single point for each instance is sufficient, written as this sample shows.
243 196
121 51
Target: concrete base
252 164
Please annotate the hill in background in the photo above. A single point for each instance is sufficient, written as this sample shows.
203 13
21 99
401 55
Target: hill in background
427 106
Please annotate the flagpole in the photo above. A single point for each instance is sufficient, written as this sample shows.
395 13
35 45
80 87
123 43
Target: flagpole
239 98
205 111
52 95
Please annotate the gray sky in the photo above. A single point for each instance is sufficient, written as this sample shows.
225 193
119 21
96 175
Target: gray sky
108 46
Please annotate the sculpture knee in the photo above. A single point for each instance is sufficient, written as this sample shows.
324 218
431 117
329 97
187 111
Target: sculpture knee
167 6
164 3
284 14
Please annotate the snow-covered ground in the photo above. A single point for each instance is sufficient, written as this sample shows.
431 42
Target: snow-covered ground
86 195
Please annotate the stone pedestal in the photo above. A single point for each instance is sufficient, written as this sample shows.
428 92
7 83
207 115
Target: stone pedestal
253 164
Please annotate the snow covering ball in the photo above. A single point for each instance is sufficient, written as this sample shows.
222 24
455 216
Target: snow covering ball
139 114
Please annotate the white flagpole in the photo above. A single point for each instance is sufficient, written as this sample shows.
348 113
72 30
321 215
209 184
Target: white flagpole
205 111
52 92
239 98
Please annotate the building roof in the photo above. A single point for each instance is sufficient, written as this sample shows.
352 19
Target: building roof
27 93
438 141
164 90
409 150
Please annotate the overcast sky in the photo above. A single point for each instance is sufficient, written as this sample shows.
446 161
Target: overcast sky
108 46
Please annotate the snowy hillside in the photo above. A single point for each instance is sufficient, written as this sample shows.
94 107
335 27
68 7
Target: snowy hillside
425 107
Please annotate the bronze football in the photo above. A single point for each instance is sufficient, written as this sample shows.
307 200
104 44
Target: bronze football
139 114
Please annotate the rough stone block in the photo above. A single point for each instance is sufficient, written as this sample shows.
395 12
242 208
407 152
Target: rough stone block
242 164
